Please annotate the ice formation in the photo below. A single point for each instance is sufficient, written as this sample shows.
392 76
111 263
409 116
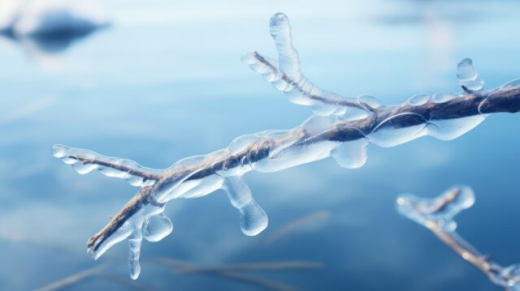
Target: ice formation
438 214
341 128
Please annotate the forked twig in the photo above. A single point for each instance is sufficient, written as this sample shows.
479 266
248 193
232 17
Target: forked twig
437 215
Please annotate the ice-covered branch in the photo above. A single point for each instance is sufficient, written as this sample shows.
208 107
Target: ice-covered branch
85 161
340 128
437 215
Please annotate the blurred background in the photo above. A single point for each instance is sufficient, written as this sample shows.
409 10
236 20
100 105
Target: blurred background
158 80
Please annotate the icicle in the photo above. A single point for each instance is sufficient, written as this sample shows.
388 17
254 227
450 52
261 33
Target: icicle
468 76
253 219
352 154
134 244
288 78
157 227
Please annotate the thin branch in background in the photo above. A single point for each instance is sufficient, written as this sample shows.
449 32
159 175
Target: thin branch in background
266 266
340 127
299 224
233 272
437 215
73 279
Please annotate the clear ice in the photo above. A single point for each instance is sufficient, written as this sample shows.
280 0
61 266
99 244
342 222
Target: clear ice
438 214
275 150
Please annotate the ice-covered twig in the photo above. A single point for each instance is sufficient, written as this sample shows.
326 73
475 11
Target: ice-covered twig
437 215
328 133
85 161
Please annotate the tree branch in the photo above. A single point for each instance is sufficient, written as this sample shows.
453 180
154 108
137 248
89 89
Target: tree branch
437 215
340 127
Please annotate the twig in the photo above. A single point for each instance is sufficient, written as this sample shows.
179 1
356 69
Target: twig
340 127
230 273
73 279
269 266
298 224
437 215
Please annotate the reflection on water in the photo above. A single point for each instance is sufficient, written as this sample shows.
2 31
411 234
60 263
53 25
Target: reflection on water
166 82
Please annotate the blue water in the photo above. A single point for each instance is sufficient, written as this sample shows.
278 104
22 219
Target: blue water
165 82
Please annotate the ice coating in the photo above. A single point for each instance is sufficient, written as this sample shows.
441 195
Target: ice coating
341 128
85 161
468 76
437 214
441 209
288 78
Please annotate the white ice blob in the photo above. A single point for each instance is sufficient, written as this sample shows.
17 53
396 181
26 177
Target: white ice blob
390 131
253 218
351 154
157 227
443 97
468 76
419 99
448 129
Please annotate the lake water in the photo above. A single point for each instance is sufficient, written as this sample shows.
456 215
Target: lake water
166 82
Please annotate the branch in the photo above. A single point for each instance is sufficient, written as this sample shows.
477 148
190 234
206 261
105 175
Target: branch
437 215
85 161
342 131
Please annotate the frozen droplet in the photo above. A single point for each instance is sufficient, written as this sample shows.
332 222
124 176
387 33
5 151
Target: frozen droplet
111 172
352 154
157 227
419 99
369 101
390 132
253 219
448 129
134 244
69 160
511 84
466 71
84 168
59 151
443 97
468 76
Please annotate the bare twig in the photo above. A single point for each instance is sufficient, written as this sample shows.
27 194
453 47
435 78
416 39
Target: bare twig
231 272
73 279
437 215
296 225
